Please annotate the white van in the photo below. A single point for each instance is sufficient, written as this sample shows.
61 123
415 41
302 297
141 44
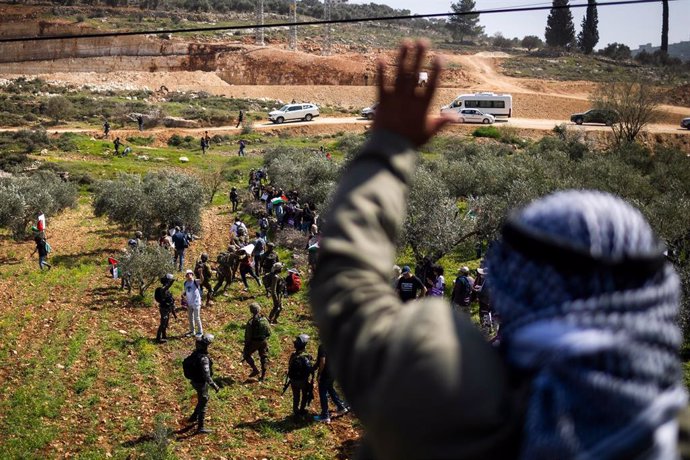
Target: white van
491 103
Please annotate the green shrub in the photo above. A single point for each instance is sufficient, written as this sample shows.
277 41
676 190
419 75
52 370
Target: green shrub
66 142
187 142
11 119
23 198
487 131
14 162
139 140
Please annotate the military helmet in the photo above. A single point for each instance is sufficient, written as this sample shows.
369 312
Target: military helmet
138 234
301 341
254 308
277 267
204 257
205 339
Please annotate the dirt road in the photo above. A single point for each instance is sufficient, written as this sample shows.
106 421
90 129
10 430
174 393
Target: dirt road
345 122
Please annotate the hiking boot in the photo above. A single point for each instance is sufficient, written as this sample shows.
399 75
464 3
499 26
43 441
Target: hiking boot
162 340
189 334
321 418
254 373
203 430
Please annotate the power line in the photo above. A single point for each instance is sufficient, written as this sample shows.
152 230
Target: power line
323 22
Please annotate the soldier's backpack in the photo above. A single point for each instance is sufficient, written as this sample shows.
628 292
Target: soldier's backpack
260 328
192 367
300 367
199 270
293 282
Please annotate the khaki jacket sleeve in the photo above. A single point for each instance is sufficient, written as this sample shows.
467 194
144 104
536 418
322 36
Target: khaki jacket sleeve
422 379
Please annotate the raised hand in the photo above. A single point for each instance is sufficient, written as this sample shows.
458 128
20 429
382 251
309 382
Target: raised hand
403 108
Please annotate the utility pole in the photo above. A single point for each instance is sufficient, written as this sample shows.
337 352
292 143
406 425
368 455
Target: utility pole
293 29
327 17
260 21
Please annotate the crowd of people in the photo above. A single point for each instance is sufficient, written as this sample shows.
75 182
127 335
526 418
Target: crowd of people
246 258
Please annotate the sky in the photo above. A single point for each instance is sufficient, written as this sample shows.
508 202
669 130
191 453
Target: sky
633 25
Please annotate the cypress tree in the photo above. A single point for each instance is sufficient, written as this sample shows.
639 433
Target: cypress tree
589 36
560 30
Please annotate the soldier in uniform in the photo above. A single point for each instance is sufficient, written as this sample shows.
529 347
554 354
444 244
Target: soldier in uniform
256 334
198 368
204 273
166 306
226 264
300 369
275 287
269 258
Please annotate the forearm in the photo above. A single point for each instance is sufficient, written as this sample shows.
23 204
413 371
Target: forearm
353 302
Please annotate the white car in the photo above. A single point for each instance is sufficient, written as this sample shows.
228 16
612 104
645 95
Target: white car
294 112
369 112
475 116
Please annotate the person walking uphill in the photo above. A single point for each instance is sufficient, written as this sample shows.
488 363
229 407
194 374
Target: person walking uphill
198 368
203 272
43 248
588 364
326 389
300 369
256 334
166 306
192 292
181 243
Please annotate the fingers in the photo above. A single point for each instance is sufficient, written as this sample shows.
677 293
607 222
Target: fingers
402 56
421 48
381 78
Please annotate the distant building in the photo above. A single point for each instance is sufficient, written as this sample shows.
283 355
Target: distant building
680 50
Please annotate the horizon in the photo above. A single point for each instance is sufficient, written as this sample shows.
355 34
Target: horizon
632 29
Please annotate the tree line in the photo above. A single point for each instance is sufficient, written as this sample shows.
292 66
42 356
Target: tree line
560 29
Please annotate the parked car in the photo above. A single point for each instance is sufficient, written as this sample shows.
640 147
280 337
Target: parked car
475 116
685 123
606 117
369 112
291 112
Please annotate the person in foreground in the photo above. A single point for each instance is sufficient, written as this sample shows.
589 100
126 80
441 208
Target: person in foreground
588 364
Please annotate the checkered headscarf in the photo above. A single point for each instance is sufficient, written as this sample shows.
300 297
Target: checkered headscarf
588 308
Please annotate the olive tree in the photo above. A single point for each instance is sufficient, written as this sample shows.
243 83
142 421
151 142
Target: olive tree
143 265
310 173
23 198
157 200
435 224
59 107
634 103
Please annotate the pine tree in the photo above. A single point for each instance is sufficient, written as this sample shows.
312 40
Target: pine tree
465 25
589 36
560 30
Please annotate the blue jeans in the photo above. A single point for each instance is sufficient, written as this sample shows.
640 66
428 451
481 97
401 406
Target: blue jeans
179 253
326 389
42 262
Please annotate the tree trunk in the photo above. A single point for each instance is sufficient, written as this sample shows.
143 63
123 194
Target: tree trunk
664 27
